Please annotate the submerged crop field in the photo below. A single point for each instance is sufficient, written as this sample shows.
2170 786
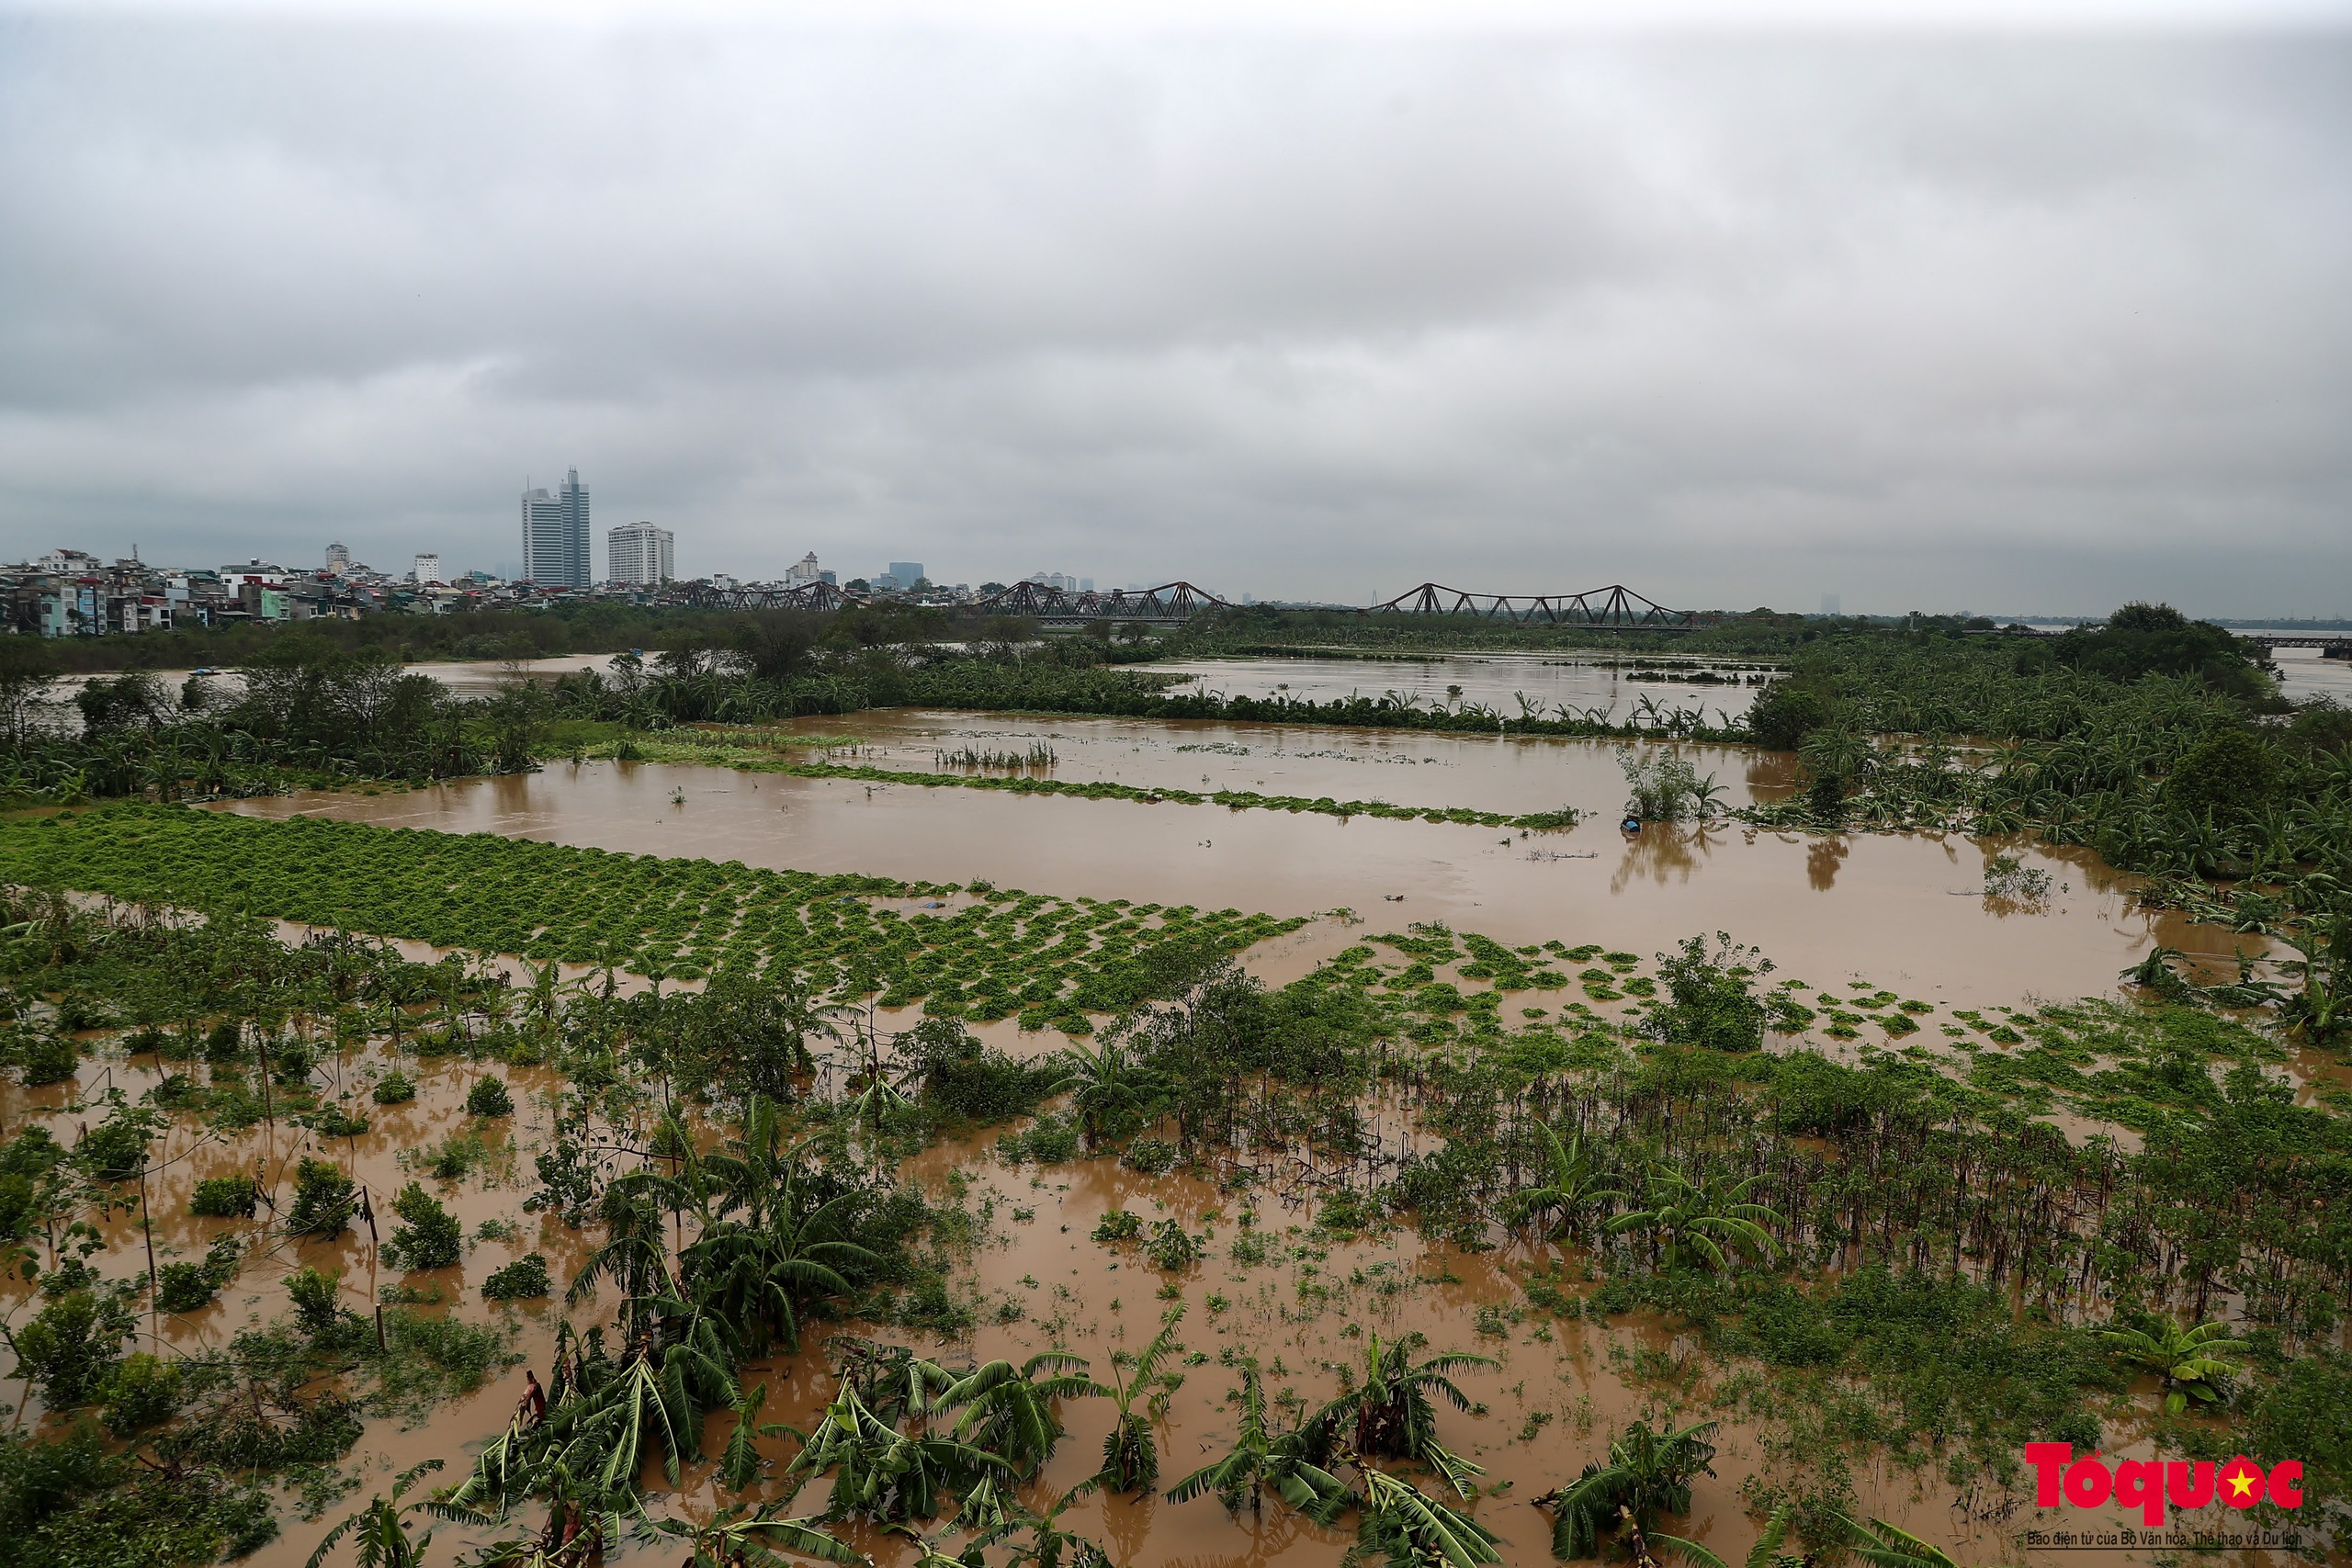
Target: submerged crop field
1389 1255
386 1196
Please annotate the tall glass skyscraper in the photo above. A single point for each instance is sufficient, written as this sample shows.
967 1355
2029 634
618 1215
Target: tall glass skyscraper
555 536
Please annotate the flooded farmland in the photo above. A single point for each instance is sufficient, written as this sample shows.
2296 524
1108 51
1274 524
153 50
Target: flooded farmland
1905 908
1286 1266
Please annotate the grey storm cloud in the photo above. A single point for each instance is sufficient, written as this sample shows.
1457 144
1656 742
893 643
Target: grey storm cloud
2028 321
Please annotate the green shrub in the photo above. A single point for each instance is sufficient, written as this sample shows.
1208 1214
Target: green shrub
325 1200
314 1292
50 1058
525 1279
489 1097
432 1238
1171 1246
141 1391
1712 1003
395 1088
2231 772
225 1197
1118 1225
70 1346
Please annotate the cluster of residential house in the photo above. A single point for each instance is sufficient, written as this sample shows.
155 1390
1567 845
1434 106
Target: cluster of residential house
70 594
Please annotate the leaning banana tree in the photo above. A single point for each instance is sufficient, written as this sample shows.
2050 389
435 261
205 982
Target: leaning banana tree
883 1474
1390 1413
1883 1545
378 1532
1648 1474
1008 1410
759 1540
1130 1456
1412 1529
1764 1554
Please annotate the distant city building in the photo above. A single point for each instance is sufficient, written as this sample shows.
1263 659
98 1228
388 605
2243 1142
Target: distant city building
887 582
907 572
640 555
1086 586
1830 603
805 571
555 536
338 557
1066 583
428 569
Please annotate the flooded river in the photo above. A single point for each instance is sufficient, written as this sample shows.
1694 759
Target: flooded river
1510 683
1900 910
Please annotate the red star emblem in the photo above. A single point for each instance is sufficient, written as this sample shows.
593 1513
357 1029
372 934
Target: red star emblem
2240 1483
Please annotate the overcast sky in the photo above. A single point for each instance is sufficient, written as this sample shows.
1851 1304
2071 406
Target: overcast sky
1994 319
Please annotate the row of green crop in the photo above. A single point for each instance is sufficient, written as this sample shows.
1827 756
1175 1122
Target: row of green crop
1050 960
746 758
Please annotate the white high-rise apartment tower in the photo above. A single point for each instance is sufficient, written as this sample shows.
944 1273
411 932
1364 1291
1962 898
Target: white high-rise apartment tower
555 536
640 555
428 569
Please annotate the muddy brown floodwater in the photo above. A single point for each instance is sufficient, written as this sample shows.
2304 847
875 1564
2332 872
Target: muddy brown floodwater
1496 680
1904 911
1302 1302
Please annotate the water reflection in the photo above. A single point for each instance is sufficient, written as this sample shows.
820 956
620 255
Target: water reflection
1664 851
1824 853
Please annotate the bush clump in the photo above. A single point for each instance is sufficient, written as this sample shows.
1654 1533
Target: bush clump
70 1346
430 1236
50 1058
395 1088
325 1200
225 1197
314 1293
489 1097
190 1287
525 1279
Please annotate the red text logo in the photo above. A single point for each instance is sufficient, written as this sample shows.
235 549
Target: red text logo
2149 1485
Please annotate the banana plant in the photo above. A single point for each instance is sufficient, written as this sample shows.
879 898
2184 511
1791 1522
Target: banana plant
1648 1474
1261 1458
1412 1529
2190 1362
883 1474
1130 1455
758 1541
1572 1182
378 1532
1008 1410
1390 1413
1701 1217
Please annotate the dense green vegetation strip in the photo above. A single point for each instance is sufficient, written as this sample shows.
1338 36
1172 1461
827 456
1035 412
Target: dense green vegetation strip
1049 960
752 760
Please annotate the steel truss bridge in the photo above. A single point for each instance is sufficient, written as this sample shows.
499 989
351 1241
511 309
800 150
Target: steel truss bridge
2335 646
1615 607
1171 604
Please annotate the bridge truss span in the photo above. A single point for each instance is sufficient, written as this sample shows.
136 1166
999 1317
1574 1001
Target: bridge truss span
1613 606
